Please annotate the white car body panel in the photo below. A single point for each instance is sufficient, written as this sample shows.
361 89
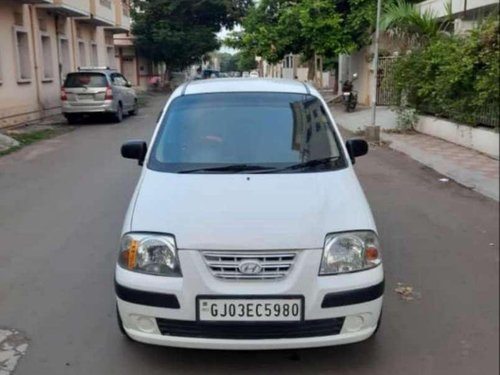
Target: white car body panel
251 211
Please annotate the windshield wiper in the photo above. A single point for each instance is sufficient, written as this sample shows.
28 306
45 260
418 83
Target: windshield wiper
230 168
307 164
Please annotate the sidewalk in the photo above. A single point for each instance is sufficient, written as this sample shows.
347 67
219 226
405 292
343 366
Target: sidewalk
467 167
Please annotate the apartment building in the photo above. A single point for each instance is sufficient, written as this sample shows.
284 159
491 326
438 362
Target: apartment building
139 70
466 13
42 40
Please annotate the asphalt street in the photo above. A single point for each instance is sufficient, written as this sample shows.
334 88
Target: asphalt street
62 202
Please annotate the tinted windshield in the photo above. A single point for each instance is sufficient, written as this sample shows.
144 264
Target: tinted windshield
271 130
86 80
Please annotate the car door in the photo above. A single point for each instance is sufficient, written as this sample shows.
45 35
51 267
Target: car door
119 90
129 92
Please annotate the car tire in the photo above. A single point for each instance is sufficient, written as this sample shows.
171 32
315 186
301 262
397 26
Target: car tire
118 115
72 119
134 111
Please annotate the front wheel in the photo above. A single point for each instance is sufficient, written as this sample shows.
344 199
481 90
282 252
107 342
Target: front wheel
135 110
118 116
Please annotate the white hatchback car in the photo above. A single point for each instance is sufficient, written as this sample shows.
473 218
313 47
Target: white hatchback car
248 228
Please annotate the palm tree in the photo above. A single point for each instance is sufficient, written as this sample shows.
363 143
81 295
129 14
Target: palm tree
402 20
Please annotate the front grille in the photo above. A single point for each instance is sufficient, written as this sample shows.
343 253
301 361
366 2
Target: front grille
250 330
225 264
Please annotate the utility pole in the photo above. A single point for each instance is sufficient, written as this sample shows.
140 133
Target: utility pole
373 131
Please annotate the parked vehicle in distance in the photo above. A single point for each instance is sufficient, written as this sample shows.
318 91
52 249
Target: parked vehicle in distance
254 74
349 95
210 73
97 90
248 228
245 74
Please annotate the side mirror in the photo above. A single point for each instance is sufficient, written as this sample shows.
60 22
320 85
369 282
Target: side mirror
356 147
128 84
135 150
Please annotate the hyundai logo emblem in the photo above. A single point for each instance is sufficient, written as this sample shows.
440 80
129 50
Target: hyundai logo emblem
250 267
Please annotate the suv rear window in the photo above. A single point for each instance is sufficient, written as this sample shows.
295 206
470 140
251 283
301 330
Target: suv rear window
86 80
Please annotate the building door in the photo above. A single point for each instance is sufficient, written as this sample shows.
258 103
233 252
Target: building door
129 71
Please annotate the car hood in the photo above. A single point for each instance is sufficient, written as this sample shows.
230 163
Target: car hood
250 211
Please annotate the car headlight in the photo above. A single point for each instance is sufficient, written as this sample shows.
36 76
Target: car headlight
349 252
150 253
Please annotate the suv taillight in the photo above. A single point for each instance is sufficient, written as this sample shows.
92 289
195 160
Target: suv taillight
109 93
64 97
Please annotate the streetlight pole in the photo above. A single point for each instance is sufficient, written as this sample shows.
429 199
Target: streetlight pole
373 131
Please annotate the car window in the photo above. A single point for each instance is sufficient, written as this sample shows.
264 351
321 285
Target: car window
123 79
266 129
86 80
118 79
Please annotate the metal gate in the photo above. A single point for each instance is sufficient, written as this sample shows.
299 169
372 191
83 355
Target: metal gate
386 89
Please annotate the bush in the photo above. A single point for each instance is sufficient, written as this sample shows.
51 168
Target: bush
454 76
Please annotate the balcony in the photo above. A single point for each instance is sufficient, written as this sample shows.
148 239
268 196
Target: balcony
102 13
122 17
439 7
69 8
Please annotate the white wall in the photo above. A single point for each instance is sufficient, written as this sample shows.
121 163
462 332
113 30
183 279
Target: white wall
479 139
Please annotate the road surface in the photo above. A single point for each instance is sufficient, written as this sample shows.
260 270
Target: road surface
62 203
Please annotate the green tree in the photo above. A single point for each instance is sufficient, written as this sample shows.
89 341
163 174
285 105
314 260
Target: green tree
245 61
274 28
226 62
179 32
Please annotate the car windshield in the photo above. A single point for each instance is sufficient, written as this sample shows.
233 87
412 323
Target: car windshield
86 80
236 132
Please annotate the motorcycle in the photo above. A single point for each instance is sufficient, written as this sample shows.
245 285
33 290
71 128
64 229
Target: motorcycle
349 96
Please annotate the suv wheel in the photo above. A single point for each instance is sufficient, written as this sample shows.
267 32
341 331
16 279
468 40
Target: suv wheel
134 111
118 116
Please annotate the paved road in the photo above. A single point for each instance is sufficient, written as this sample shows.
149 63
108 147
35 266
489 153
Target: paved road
61 207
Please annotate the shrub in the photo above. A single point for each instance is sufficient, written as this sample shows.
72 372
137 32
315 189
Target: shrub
454 76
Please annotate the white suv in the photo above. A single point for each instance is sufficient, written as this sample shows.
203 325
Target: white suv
95 90
248 228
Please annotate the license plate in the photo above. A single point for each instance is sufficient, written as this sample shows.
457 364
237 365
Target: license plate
86 96
250 309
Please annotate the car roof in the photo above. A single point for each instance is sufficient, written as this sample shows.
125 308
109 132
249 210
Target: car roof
217 85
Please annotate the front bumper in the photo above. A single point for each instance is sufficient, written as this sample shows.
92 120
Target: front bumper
162 311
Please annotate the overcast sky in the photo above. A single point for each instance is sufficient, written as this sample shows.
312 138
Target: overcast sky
222 34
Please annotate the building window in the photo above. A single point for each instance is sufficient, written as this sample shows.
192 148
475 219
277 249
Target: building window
94 61
288 63
110 52
22 52
82 53
126 8
105 3
65 57
48 62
